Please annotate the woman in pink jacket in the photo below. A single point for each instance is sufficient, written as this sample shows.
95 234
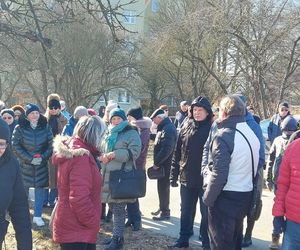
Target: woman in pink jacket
77 218
286 208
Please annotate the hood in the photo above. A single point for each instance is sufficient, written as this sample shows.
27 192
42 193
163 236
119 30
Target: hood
66 148
143 123
203 102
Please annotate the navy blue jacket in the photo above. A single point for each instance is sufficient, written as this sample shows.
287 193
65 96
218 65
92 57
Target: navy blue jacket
164 143
13 199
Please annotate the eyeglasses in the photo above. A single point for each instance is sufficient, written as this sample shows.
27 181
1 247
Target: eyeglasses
7 117
3 145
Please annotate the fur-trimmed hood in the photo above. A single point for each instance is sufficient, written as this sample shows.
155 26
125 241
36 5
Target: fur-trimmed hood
144 123
67 147
25 123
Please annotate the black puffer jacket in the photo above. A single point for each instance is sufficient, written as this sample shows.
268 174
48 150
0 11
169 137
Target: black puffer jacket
164 144
13 200
27 142
189 149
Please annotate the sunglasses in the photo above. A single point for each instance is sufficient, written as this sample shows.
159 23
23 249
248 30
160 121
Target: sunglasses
53 108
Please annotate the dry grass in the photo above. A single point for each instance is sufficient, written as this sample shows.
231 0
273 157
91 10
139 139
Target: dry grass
143 239
140 240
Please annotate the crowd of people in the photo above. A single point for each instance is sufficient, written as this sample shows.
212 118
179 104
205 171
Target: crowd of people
217 154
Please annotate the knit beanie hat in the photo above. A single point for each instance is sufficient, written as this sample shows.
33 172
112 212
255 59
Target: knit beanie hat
117 112
80 111
52 96
136 113
203 102
8 111
111 105
31 107
54 104
284 104
91 112
4 130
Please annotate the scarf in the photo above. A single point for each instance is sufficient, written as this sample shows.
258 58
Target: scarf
53 122
113 132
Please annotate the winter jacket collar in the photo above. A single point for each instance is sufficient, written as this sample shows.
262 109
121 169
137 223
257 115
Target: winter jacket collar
143 123
230 122
69 147
24 122
163 123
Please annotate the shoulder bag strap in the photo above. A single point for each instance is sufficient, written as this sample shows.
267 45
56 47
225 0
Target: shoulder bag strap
252 158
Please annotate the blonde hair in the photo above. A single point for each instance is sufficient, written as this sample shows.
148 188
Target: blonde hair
232 105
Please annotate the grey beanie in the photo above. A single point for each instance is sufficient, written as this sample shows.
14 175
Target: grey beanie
80 111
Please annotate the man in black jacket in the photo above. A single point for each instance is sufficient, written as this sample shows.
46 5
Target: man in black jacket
187 164
164 145
13 197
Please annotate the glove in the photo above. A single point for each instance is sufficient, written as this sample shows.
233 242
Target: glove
36 161
174 184
279 223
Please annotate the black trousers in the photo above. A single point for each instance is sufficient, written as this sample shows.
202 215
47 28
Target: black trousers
77 246
163 189
225 220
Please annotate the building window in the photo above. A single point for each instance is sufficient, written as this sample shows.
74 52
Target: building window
123 96
102 99
155 5
129 16
170 101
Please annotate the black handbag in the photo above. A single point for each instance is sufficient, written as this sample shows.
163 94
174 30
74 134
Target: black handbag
155 174
127 184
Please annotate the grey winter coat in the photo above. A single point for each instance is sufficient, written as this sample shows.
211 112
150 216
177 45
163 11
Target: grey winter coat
128 139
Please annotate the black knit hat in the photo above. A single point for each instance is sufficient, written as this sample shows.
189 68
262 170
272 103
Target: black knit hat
136 113
54 104
284 104
8 111
30 107
4 130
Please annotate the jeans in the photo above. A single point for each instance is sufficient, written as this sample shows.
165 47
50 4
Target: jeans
133 210
39 194
78 246
50 196
291 240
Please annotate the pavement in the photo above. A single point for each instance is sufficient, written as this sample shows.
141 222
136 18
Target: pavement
261 233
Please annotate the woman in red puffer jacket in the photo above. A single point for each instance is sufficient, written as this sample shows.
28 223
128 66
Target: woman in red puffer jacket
286 208
77 217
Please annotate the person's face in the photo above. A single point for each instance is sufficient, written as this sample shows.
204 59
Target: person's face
184 108
199 113
33 116
116 120
283 111
17 114
8 118
222 115
3 146
156 120
54 111
131 119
